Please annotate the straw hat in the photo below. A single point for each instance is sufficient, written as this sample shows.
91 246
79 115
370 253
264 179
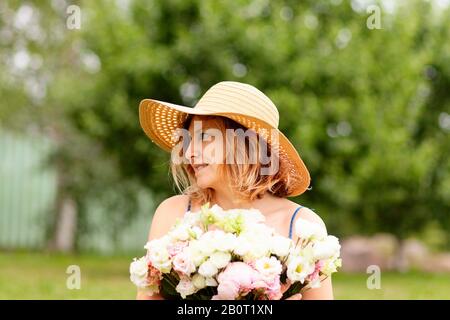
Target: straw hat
240 102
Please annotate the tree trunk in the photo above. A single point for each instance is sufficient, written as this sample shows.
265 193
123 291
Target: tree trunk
64 226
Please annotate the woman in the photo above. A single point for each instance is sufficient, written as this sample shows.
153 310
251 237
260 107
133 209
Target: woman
213 150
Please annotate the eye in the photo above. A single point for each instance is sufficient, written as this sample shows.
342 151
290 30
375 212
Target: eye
204 135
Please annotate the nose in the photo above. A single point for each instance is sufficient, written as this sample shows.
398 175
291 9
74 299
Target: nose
192 154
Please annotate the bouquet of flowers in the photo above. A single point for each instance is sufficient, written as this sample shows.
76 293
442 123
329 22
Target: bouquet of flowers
233 255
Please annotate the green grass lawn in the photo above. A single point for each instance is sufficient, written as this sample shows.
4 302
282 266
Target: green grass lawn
43 276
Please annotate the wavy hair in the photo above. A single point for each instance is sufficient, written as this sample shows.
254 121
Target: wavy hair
243 176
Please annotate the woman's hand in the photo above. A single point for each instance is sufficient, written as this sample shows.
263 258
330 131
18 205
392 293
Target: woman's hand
285 286
297 296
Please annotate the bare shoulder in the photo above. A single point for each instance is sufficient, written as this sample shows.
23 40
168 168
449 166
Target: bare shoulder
166 214
308 214
174 203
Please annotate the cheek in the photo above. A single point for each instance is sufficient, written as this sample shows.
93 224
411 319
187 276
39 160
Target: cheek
214 152
213 171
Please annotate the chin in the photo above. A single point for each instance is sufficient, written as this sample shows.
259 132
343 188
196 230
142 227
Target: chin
207 179
204 184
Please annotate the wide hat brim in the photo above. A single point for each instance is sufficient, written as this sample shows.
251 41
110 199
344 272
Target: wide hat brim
160 120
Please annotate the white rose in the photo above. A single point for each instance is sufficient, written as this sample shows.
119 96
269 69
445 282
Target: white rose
227 242
159 257
158 244
211 282
220 259
196 253
326 248
280 245
180 232
260 249
269 268
196 232
259 230
330 266
199 281
253 216
307 230
207 243
150 290
185 287
192 218
243 245
217 211
316 283
183 263
138 272
208 269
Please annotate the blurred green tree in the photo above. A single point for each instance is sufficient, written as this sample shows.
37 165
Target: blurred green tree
368 109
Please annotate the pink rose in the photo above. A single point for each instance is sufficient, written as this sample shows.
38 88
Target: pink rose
176 248
183 264
154 276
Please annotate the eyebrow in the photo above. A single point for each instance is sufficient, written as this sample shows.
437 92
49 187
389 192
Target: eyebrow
200 130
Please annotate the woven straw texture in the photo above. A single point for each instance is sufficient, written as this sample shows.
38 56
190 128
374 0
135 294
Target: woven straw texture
240 102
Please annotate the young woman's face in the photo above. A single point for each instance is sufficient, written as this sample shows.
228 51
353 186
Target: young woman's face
205 151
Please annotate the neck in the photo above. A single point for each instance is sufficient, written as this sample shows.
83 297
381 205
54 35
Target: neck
226 199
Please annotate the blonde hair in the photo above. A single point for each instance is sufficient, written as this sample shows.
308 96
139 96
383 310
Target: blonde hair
244 176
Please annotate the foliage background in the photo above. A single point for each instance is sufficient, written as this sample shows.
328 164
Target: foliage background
368 110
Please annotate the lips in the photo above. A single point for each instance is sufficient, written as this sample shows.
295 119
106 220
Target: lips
198 167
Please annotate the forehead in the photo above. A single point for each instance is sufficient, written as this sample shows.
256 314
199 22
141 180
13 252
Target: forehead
202 122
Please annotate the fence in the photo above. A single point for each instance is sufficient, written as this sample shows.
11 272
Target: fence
27 197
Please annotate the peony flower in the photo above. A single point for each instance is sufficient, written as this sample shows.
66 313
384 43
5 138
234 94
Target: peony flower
201 247
228 290
238 277
307 230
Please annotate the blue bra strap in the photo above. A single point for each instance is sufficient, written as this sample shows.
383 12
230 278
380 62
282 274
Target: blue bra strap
189 205
292 221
